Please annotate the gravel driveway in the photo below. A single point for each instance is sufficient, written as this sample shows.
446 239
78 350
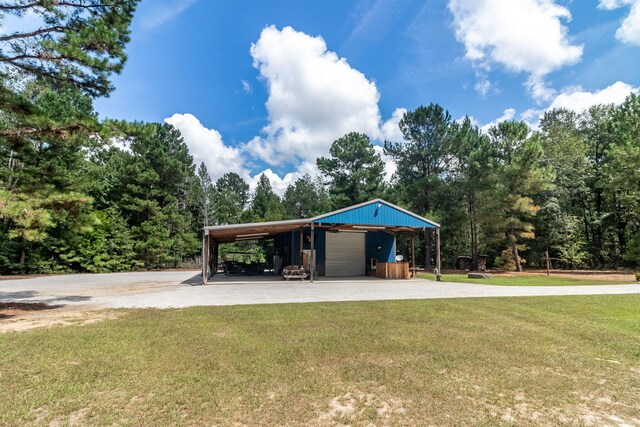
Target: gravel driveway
179 289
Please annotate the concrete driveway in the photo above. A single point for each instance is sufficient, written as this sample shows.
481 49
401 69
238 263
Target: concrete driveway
179 289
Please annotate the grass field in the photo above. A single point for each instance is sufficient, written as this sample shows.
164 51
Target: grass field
484 361
528 280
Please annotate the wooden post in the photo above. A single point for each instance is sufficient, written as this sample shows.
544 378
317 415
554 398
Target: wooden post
205 257
216 252
211 253
312 260
438 265
301 252
413 256
546 257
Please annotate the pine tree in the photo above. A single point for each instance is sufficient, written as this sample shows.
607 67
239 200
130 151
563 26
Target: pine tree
265 205
355 172
305 198
421 160
472 174
519 175
232 196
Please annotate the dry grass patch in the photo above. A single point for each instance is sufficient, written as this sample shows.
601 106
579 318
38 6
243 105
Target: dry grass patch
495 361
15 317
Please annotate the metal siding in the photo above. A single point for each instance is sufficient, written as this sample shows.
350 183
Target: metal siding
371 214
345 254
387 252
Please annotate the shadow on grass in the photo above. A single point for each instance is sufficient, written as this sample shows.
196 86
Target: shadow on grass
23 306
28 301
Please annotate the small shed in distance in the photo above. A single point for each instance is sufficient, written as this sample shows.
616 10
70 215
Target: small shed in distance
346 242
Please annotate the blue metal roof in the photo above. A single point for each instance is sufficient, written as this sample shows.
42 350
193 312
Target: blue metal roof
376 212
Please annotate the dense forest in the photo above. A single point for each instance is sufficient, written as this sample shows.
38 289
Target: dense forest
78 193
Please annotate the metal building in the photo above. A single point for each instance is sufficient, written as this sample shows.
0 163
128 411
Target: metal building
346 242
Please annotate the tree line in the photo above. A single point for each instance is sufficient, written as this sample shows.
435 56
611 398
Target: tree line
82 194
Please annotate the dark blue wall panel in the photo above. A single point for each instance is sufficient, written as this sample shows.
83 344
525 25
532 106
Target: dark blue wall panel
387 244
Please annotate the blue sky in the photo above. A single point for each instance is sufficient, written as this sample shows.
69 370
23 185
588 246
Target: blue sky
267 86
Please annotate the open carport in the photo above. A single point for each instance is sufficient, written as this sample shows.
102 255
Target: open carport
355 241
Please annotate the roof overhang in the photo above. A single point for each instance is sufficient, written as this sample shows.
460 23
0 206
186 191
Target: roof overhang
253 231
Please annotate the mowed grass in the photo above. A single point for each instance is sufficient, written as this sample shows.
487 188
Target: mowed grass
521 280
484 361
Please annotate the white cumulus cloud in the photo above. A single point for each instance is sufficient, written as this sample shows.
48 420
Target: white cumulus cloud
629 31
390 129
525 36
572 98
206 145
579 100
315 97
279 184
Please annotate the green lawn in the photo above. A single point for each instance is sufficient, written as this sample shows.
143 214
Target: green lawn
484 361
520 280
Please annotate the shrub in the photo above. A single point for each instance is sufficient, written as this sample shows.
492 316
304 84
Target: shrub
506 262
637 276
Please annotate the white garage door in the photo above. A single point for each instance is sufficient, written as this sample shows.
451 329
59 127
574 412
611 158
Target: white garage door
345 254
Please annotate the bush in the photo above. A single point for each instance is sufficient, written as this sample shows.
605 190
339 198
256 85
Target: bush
637 276
506 262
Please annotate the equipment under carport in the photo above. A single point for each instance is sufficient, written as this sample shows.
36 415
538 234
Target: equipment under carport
236 263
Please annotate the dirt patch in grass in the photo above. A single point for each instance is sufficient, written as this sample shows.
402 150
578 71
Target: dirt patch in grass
15 317
374 405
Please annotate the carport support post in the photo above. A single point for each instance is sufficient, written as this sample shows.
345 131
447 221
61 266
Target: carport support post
212 251
301 252
216 250
413 255
438 266
312 260
205 256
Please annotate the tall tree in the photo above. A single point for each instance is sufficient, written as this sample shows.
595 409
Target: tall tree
472 172
43 171
421 159
355 172
567 204
150 184
520 175
602 208
623 176
265 204
232 196
205 194
47 124
305 198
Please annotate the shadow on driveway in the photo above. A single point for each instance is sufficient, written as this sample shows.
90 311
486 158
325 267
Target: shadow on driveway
31 297
195 280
